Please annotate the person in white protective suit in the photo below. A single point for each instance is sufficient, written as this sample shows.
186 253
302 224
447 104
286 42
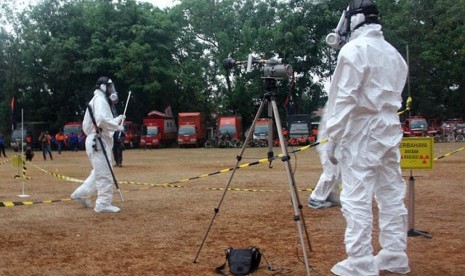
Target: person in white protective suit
363 100
326 192
100 179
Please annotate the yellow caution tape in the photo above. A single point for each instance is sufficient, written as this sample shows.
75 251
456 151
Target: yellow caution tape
172 184
448 154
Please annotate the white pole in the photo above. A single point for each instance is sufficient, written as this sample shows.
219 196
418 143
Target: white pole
125 108
22 132
22 157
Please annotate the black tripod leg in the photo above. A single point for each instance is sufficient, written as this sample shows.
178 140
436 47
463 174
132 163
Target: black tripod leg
239 157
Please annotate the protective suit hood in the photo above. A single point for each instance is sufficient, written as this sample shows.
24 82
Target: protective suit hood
105 84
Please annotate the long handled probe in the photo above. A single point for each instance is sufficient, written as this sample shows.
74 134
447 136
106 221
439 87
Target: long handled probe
125 108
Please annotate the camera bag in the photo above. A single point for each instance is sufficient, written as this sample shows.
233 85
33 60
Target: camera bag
241 261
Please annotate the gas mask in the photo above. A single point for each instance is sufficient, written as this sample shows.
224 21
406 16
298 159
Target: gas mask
105 84
357 14
114 97
338 38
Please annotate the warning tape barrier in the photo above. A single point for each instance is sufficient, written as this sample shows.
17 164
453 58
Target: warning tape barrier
448 154
166 185
25 203
173 183
59 176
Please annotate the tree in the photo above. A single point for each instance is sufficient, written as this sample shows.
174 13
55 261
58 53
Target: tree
434 33
71 43
58 48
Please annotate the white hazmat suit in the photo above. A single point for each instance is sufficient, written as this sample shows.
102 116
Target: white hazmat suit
363 101
100 179
326 192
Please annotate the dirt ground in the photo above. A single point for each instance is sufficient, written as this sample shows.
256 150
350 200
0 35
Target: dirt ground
161 226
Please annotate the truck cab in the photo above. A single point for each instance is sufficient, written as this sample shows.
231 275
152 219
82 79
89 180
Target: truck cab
230 127
18 138
415 126
261 133
192 129
132 134
299 126
157 129
150 135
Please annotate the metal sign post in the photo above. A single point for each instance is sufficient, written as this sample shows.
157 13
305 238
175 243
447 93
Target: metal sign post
416 153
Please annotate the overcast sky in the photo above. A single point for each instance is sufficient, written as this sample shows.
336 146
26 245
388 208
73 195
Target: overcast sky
161 3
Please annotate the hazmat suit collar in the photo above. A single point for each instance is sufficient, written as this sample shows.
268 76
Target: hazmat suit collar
366 30
98 92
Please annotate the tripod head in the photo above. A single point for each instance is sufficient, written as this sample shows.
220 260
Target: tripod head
272 68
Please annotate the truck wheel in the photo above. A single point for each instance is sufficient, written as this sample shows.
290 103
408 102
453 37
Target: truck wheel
459 138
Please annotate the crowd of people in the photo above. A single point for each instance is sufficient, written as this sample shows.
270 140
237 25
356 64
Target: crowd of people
58 142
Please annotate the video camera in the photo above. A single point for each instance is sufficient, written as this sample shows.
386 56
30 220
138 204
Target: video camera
272 68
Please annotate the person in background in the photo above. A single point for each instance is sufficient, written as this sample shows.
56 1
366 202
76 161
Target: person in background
118 136
364 97
326 192
73 141
28 139
60 140
29 153
2 145
45 140
82 141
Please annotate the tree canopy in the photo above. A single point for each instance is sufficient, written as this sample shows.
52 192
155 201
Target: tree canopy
54 51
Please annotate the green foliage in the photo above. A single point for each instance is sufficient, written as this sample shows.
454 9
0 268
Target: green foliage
57 49
434 33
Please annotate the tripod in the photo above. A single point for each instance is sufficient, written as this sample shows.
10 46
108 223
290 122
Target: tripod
269 99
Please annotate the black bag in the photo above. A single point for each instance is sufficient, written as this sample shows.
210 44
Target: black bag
241 261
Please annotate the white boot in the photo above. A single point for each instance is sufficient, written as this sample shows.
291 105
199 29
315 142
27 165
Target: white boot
360 266
107 209
396 262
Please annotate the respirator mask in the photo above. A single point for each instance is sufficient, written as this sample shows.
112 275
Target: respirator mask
114 97
338 38
357 14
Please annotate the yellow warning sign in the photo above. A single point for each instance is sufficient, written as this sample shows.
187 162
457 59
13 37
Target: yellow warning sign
417 153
